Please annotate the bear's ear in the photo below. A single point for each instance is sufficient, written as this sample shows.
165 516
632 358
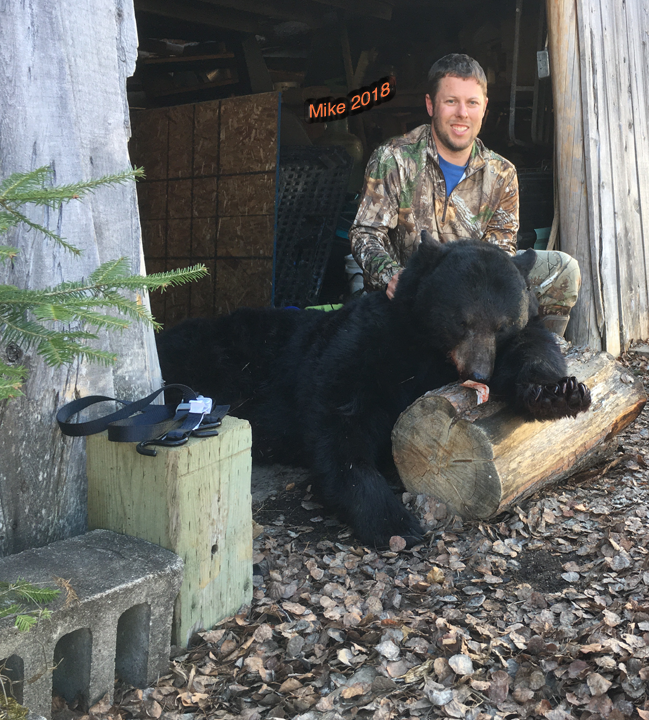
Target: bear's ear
429 241
525 262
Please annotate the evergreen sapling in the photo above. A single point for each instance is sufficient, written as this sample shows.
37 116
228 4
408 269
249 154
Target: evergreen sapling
61 322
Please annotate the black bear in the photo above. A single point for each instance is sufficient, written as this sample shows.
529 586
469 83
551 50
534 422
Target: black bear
324 389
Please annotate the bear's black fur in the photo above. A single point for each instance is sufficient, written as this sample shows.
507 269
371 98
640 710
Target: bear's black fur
325 388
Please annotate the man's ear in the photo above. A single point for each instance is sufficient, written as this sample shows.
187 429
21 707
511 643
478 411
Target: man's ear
430 108
525 262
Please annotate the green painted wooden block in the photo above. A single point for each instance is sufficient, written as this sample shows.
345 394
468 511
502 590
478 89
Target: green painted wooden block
193 500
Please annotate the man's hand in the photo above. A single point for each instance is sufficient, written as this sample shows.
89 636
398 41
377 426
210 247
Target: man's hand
392 285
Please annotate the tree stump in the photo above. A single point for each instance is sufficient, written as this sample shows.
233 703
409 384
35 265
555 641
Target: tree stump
480 459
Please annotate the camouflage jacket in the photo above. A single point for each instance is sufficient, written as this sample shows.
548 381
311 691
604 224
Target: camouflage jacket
405 192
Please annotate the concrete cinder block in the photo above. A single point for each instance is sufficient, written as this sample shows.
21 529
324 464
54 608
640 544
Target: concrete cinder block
126 590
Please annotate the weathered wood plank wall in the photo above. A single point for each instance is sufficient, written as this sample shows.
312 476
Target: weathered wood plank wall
63 69
600 66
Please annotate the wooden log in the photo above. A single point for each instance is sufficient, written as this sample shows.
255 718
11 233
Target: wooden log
480 459
193 500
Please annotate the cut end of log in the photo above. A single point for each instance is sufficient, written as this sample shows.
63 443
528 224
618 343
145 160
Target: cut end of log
439 452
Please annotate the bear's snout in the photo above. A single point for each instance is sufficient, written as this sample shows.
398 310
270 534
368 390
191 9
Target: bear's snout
474 357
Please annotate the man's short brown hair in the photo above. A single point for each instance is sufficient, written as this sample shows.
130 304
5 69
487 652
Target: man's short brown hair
455 65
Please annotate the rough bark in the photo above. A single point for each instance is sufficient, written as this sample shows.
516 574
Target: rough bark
63 70
480 459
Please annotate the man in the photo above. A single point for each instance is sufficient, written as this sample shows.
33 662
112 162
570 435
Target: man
441 178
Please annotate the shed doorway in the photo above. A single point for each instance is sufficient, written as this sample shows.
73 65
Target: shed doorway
217 101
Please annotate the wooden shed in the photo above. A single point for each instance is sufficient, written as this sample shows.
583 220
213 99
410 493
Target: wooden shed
582 131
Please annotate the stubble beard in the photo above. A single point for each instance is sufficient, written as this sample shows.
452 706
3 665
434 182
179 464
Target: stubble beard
445 139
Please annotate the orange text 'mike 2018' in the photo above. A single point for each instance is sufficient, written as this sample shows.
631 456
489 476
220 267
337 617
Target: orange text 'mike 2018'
327 109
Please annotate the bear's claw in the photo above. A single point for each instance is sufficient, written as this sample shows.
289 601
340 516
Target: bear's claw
565 398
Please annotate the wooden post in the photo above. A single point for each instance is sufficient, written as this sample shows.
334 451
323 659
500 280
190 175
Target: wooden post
193 500
479 459
63 104
587 319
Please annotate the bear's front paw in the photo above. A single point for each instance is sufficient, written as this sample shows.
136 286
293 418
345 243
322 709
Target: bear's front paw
565 398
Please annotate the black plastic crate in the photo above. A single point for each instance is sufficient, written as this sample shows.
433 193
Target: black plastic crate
312 185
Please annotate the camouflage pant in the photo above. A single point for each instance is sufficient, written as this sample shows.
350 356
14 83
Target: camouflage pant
556 279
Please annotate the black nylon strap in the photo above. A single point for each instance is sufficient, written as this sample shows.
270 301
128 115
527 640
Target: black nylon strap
155 420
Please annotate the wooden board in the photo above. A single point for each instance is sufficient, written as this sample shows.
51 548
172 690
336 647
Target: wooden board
637 21
573 205
209 197
481 459
193 500
600 79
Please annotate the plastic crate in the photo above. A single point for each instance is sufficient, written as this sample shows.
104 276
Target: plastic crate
312 185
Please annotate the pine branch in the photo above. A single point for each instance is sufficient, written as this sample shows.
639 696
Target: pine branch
23 601
170 278
32 593
23 188
61 351
20 189
7 252
7 220
62 321
11 379
77 311
29 181
53 236
25 622
23 332
11 610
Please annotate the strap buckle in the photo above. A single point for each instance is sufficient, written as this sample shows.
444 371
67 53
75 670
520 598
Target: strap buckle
197 422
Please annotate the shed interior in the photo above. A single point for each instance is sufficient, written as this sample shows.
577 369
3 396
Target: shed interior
217 103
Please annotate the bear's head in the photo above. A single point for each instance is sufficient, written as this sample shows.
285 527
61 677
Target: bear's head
465 299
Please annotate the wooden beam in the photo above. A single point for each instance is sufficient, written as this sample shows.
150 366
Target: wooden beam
193 88
637 19
75 77
203 13
575 187
260 80
277 9
184 60
193 500
372 8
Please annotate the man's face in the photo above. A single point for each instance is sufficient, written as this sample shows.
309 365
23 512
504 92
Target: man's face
457 113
